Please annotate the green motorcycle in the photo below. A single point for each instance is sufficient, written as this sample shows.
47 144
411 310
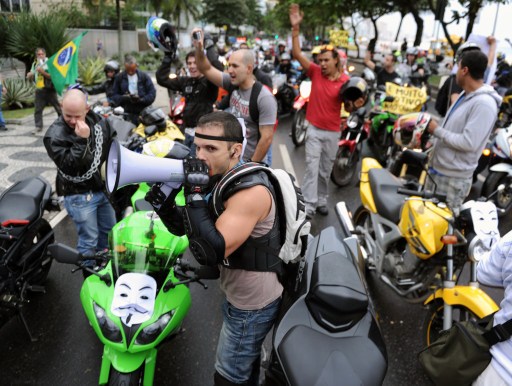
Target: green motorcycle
136 293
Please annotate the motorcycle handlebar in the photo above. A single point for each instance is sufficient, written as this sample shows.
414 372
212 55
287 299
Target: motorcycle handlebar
423 194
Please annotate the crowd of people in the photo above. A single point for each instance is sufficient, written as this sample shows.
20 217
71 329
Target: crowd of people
78 143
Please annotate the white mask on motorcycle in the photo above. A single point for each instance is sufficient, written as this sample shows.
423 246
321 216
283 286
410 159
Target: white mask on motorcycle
134 298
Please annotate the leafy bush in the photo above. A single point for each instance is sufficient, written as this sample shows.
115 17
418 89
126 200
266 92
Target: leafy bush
90 71
20 93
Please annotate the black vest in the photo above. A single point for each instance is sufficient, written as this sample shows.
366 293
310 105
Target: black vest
255 254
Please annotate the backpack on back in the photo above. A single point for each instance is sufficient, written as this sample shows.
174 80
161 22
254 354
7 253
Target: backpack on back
443 96
293 225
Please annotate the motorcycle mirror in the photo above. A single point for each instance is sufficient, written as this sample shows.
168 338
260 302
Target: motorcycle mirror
64 254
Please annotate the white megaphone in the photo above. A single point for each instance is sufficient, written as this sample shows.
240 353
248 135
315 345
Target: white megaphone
124 167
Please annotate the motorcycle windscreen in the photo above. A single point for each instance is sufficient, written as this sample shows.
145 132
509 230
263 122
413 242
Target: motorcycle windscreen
141 243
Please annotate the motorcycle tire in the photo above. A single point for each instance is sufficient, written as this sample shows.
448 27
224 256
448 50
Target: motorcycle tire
31 239
299 127
503 199
135 378
345 166
433 323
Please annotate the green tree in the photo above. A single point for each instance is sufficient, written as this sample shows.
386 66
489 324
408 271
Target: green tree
225 12
255 16
25 32
175 9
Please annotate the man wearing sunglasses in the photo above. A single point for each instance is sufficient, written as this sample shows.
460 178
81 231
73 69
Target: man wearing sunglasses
323 115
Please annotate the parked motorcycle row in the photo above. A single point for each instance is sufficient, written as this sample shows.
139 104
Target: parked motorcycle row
411 240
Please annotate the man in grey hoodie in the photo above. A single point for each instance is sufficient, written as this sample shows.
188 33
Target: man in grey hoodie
460 139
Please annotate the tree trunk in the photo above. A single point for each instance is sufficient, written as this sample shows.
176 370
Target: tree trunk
419 29
119 31
474 7
399 26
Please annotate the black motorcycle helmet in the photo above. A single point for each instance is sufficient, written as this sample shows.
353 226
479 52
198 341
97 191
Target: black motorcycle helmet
111 65
355 88
153 116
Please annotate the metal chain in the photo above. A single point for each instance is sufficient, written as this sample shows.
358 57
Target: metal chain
98 136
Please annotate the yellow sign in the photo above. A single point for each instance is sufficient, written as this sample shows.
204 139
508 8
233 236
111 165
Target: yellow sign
407 99
338 38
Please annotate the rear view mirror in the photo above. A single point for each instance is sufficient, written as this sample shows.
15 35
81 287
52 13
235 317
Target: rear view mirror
64 254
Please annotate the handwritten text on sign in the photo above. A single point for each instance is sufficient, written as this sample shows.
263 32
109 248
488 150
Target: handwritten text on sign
407 99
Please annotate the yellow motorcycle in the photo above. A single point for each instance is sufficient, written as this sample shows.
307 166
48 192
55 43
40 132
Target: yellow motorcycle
418 247
154 125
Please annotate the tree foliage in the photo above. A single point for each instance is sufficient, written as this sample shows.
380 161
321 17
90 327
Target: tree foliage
25 32
225 12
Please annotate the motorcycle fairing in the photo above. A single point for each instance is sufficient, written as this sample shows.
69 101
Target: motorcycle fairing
365 190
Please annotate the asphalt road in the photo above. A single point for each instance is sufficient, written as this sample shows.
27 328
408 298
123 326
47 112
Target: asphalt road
67 351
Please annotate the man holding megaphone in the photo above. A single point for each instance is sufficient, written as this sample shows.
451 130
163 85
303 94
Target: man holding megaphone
237 241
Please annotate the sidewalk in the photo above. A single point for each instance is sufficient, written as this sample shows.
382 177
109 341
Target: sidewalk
22 154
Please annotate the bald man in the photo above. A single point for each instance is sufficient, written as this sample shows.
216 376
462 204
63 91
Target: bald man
78 142
239 82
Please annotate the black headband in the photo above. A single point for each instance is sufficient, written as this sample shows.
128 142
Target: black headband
225 139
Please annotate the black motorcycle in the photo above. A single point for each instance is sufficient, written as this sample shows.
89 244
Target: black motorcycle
328 333
24 238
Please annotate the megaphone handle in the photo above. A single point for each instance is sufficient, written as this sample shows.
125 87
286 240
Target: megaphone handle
167 189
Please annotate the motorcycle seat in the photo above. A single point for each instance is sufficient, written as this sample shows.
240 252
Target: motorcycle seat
384 186
337 298
22 201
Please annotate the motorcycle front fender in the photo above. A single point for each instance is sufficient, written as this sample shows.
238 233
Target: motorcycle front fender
502 168
473 298
299 103
350 144
126 362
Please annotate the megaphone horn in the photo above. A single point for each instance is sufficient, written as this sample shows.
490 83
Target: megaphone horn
126 167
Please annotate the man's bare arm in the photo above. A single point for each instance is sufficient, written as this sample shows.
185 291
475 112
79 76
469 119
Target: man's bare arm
266 136
203 64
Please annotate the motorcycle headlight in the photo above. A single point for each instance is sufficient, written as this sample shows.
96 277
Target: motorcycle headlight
107 326
153 331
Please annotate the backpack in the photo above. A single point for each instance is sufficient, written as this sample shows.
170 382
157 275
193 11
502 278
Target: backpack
254 111
443 96
293 225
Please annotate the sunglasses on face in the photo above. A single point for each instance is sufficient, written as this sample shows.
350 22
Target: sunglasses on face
78 86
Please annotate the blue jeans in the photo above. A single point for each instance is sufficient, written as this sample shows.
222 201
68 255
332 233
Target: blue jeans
94 217
240 341
2 122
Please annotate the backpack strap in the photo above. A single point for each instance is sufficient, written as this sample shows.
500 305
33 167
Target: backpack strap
228 178
254 112
499 333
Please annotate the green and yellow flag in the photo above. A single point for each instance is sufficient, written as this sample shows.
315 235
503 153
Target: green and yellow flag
63 66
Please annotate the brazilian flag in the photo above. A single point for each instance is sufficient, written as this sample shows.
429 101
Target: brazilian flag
63 66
